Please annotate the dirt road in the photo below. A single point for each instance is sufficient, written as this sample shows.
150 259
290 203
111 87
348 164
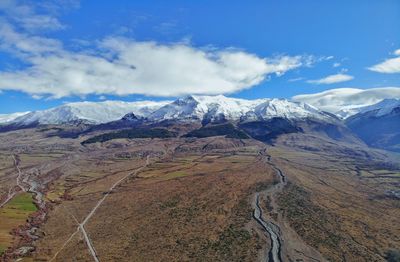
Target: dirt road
81 226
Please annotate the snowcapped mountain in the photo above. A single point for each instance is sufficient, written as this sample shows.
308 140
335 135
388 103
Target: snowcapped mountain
190 108
197 107
383 107
263 119
348 112
7 118
287 109
379 124
217 107
90 112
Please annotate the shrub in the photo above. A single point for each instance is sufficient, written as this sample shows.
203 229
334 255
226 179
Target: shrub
131 133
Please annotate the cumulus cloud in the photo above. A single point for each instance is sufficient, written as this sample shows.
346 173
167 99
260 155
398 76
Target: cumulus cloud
334 100
337 78
389 66
123 66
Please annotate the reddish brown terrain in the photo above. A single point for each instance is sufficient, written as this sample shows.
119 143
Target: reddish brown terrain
188 199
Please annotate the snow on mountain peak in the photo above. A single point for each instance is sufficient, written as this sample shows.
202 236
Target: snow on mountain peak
383 107
200 107
287 109
7 118
194 107
92 112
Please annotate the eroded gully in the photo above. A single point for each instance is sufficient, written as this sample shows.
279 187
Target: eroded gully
271 229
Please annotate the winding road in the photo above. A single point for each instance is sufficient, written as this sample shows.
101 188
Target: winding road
272 230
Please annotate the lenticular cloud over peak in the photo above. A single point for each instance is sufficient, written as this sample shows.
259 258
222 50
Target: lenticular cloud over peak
334 100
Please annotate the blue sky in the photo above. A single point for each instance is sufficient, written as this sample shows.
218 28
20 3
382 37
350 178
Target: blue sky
254 49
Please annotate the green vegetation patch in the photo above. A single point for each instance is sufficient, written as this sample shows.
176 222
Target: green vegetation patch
22 202
227 130
14 214
131 134
2 249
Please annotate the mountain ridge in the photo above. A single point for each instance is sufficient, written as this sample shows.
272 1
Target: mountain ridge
383 106
186 108
264 119
90 112
378 125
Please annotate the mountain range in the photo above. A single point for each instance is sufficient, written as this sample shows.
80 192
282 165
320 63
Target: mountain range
377 125
189 107
7 118
88 112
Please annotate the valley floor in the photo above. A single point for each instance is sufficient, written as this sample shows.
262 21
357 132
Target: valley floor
186 199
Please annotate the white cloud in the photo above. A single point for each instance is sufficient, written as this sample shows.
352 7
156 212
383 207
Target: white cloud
25 14
389 66
122 66
334 100
336 64
296 79
337 78
40 22
310 60
37 97
21 44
